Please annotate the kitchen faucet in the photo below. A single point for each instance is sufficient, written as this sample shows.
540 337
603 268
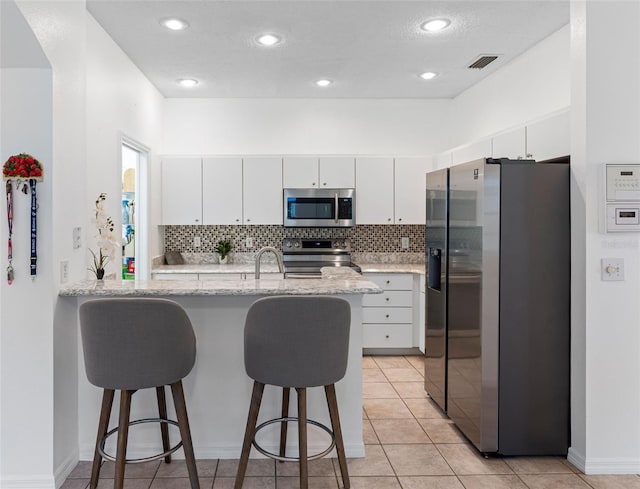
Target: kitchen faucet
262 251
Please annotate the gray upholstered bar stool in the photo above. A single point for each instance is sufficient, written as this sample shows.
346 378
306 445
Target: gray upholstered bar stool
132 344
296 342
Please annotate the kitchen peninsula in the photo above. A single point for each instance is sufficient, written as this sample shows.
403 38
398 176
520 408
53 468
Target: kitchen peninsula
218 390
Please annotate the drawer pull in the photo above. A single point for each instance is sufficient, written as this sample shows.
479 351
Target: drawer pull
386 336
388 281
387 299
386 315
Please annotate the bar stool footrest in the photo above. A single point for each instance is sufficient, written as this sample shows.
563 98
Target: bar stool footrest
287 419
151 458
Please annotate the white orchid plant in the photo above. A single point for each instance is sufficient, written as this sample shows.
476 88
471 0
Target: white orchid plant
105 238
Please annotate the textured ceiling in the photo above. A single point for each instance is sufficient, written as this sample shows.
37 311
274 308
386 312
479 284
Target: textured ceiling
371 49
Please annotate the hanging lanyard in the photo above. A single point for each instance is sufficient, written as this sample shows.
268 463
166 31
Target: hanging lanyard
34 230
10 222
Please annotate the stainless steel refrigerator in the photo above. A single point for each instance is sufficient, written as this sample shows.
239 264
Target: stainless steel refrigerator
498 303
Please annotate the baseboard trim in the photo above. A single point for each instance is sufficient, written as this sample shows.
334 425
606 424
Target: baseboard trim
391 351
65 468
576 459
44 482
604 466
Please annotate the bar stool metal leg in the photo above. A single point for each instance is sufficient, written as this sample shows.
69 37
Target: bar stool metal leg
283 427
252 419
123 435
185 433
103 426
332 403
302 437
164 428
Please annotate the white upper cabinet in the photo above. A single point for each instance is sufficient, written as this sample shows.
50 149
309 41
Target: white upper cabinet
262 190
471 152
300 172
222 190
313 172
549 138
181 191
337 172
510 144
374 190
410 193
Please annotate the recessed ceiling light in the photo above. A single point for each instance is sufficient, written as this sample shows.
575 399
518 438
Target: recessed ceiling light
269 39
435 25
428 75
324 83
174 24
188 82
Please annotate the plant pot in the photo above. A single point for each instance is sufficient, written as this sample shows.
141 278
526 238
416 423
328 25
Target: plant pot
223 261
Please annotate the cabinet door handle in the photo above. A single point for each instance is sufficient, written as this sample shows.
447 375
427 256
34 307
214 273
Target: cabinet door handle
386 315
386 336
248 220
387 299
325 184
388 281
237 220
399 219
197 220
313 183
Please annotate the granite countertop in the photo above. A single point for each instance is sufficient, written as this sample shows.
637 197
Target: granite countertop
332 282
393 267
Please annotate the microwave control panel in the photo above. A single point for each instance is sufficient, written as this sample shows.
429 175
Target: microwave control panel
622 198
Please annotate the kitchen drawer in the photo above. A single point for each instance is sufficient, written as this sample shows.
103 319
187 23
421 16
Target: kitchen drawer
391 281
175 276
387 315
220 276
387 336
393 298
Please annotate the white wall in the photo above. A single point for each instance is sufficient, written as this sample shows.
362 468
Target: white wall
531 86
26 306
605 316
120 101
304 126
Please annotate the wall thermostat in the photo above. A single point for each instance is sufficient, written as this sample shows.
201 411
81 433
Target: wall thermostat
622 199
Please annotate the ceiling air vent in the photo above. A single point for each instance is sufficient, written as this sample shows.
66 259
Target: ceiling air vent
483 61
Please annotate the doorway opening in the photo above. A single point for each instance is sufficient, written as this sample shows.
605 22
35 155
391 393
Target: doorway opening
134 239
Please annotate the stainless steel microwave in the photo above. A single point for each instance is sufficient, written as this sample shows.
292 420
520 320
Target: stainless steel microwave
319 207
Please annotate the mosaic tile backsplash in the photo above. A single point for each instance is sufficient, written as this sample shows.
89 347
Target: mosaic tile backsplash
365 239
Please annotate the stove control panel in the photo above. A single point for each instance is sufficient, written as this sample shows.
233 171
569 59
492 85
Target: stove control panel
315 245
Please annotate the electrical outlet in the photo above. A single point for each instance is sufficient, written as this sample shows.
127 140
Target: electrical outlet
77 238
248 242
64 271
197 242
404 242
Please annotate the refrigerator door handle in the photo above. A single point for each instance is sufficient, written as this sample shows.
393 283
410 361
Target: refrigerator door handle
434 278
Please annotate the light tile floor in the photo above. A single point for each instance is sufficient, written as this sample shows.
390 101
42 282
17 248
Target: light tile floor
409 445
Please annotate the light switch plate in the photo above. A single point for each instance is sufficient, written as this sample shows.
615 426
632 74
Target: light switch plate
197 242
404 242
248 242
612 269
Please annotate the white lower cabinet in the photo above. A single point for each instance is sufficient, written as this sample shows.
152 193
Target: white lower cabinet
174 276
220 276
388 318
